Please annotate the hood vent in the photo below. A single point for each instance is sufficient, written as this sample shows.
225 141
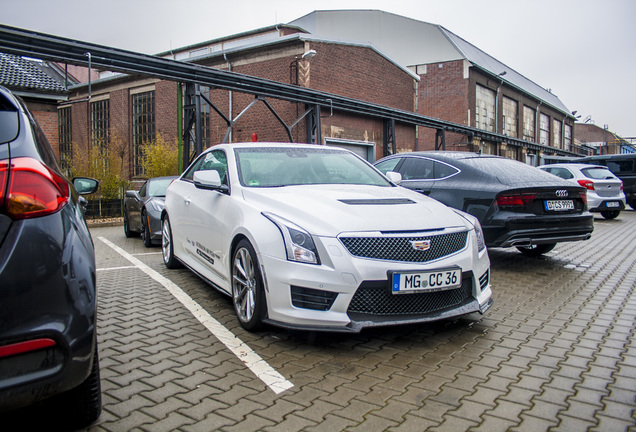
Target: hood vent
386 201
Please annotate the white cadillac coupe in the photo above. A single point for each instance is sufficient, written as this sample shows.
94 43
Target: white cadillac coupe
313 237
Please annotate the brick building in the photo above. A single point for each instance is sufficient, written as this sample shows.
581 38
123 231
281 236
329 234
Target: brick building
362 54
129 109
458 83
602 140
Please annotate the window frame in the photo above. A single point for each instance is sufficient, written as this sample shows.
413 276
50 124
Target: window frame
485 108
143 126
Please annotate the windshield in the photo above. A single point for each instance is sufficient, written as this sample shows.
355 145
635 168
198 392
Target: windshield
284 166
157 187
597 173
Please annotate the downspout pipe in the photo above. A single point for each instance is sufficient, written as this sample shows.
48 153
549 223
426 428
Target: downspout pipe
537 126
180 124
230 97
497 107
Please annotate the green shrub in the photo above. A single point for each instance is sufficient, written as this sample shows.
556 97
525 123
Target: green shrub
160 158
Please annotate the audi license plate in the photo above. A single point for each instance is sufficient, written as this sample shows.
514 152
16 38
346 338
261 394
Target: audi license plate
560 205
436 280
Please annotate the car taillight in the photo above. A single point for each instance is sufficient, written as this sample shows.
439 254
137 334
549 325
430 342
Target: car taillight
587 184
584 197
515 200
33 189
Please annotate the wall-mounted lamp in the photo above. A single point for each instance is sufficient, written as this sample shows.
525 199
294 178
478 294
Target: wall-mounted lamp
309 54
293 66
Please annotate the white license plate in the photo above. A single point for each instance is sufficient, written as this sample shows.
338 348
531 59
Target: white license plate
613 204
559 205
435 280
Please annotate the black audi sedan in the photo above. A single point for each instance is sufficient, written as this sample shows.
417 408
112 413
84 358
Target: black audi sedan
518 205
48 332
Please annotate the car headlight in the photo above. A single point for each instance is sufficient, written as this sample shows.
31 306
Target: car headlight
299 244
481 240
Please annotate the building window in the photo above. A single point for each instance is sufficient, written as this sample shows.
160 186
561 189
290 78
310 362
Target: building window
567 137
544 129
143 108
513 152
556 133
510 117
66 139
100 124
528 123
485 109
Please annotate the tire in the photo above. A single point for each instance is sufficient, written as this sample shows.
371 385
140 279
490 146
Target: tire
83 404
248 295
145 230
536 250
127 232
167 248
610 214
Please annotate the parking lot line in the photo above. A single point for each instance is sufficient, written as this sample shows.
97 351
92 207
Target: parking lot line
272 379
116 268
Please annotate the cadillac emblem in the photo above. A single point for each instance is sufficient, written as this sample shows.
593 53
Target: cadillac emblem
421 245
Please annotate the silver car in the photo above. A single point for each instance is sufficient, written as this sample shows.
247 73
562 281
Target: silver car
604 190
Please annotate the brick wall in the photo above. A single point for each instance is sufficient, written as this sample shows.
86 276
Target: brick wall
48 122
355 72
443 94
351 71
166 118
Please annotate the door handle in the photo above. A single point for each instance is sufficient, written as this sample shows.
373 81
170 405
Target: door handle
187 200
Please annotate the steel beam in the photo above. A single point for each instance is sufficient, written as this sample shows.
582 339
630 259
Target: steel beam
25 42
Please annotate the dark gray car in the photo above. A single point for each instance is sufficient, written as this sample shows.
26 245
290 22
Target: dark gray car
48 333
142 210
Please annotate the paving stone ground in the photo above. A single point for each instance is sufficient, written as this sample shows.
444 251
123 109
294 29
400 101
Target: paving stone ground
555 352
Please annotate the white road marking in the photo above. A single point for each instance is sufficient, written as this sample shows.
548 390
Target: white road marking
274 380
116 268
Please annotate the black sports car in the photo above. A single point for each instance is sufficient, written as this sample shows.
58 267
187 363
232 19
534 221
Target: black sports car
517 204
48 312
142 210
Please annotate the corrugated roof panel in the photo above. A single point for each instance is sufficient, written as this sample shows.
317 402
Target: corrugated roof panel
411 42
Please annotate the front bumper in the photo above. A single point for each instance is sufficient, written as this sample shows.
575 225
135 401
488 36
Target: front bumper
348 294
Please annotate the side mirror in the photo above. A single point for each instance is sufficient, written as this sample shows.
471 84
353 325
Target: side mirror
85 185
395 177
209 179
132 194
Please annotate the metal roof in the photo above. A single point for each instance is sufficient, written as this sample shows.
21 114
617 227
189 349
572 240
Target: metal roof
20 73
484 61
411 42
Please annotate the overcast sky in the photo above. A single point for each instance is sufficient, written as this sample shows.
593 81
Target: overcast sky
583 50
